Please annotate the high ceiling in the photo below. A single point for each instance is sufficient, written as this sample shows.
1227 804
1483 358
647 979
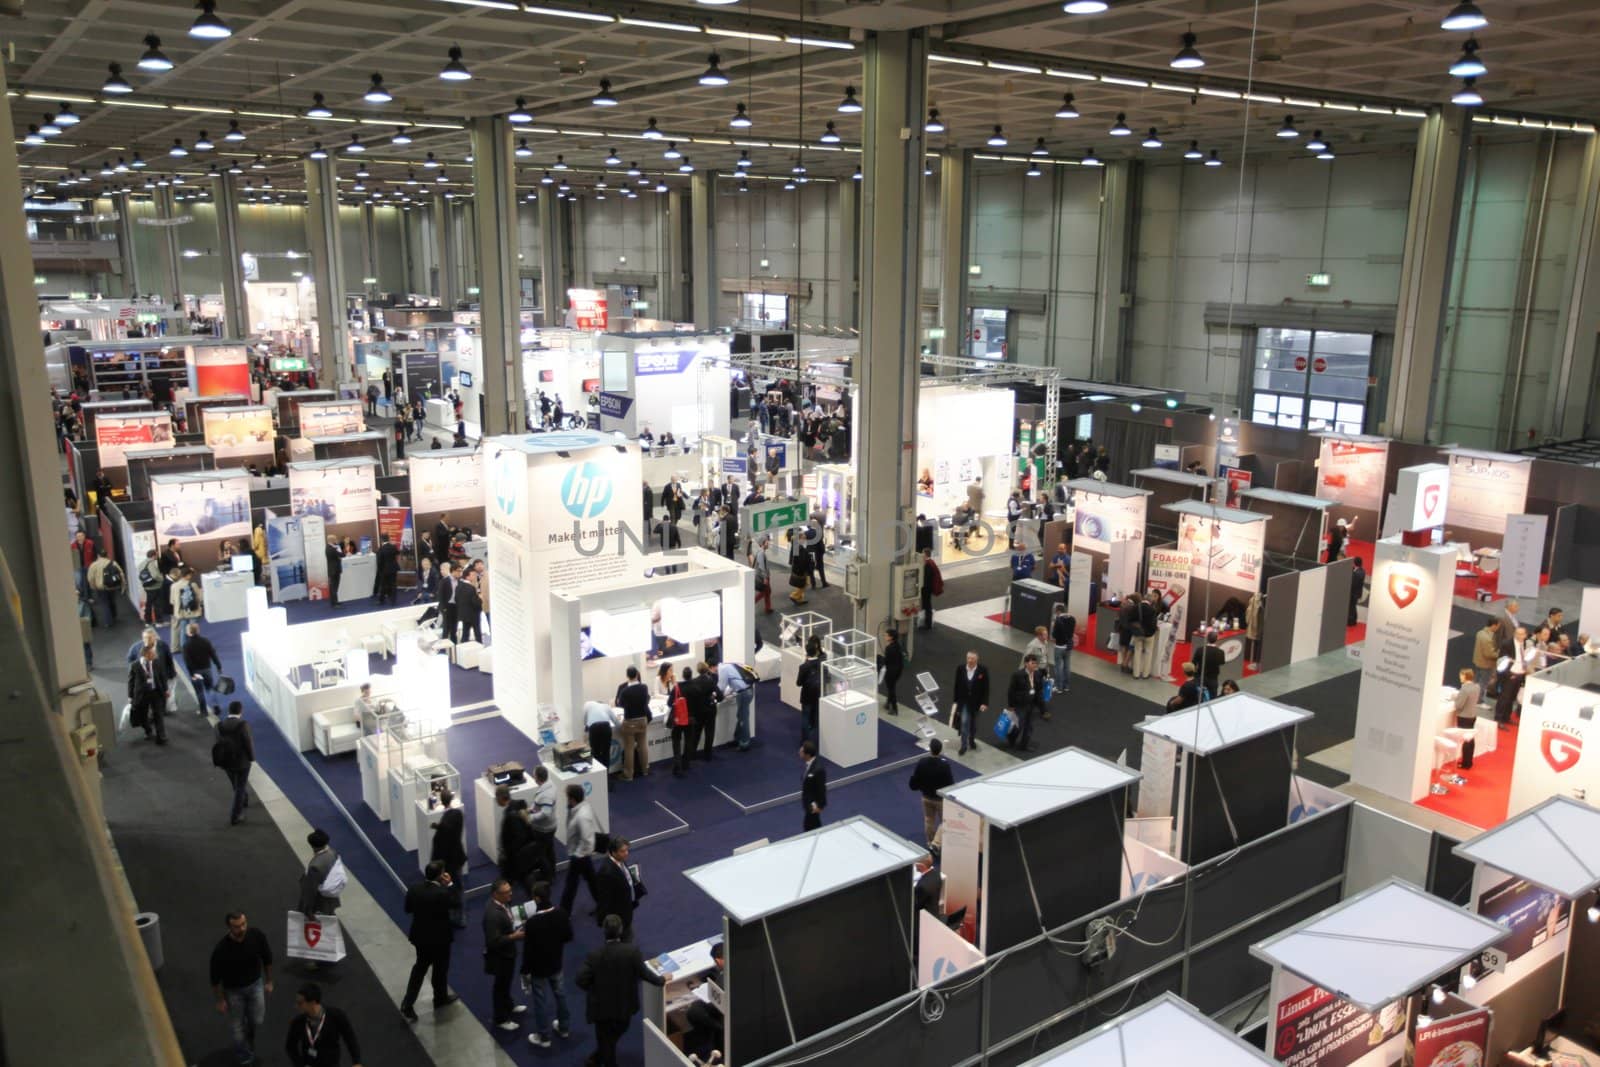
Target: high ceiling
1340 66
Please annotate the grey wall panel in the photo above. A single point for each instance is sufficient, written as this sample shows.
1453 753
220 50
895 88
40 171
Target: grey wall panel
1336 604
1277 631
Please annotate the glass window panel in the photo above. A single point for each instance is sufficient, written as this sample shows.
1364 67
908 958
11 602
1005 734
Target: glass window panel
1336 388
1321 409
1294 340
1355 413
1290 421
1267 402
1291 405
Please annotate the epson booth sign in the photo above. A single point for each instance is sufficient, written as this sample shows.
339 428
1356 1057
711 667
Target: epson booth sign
615 405
648 363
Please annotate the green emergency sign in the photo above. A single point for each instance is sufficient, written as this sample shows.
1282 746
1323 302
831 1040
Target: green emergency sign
764 518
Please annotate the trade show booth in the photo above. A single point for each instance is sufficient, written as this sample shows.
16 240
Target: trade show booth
241 436
201 510
665 384
973 468
117 431
447 485
1108 526
329 418
288 405
1351 475
1227 555
332 498
145 462
1558 743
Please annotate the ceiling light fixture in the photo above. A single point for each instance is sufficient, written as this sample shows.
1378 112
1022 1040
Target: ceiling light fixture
376 93
713 76
830 135
1213 160
49 128
138 162
740 120
454 70
430 163
634 171
604 98
672 151
1039 149
561 163
850 105
1464 16
1326 152
1287 130
1090 159
234 134
33 136
522 150
650 132
234 168
1469 65
362 171
856 176
519 115
1151 140
685 167
65 116
201 144
355 145
115 83
997 139
154 59
934 124
612 159
1084 7
547 180
1316 144
317 151
1068 109
318 109
177 148
1194 151
401 137
1033 170
1120 127
1188 57
1468 95
743 160
207 25
122 165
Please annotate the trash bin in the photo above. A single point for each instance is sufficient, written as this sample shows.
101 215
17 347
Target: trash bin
148 923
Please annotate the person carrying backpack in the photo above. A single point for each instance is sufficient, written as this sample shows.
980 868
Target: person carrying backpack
234 753
106 582
151 581
185 595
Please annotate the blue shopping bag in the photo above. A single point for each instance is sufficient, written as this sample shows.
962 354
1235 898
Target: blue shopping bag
1005 725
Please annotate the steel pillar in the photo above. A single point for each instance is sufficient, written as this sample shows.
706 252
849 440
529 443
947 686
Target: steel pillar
1572 401
327 271
130 261
850 254
499 300
235 304
171 252
703 252
444 239
1114 275
955 211
895 86
552 266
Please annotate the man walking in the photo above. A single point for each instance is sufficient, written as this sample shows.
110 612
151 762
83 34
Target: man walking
1063 631
185 599
549 929
335 569
317 1034
388 569
758 563
931 774
106 582
582 827
429 903
148 685
970 696
324 878
1025 695
616 891
238 753
893 662
469 609
500 937
611 975
447 600
200 659
241 979
932 586
813 787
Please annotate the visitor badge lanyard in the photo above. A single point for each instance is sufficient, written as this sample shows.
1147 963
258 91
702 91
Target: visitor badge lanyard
311 1036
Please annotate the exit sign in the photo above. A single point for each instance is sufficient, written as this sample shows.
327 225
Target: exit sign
1319 281
288 363
763 518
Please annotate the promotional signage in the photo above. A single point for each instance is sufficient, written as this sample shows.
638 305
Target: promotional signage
1459 1041
1167 457
1237 480
1422 496
286 555
1352 472
1313 1028
331 418
765 518
1100 520
1485 487
588 308
339 494
1408 626
201 509
1522 555
396 523
243 433
1167 572
673 362
447 482
615 405
1558 746
220 370
941 953
960 838
1227 553
735 465
117 431
1534 915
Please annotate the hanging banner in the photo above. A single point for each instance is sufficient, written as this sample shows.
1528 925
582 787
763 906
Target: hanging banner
1459 1041
314 550
201 510
1485 487
588 308
117 431
396 524
331 418
220 370
1313 1028
1522 555
1167 572
239 433
1352 472
286 556
339 494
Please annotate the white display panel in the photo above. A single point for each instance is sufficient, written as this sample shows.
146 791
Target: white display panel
338 492
1423 496
1485 487
239 432
1522 555
117 431
949 461
1408 627
201 510
331 418
1100 519
1223 552
1352 472
1558 746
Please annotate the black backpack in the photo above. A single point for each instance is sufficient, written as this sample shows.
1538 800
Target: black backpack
111 578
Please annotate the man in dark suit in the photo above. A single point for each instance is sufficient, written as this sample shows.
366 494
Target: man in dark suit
611 975
388 569
813 786
446 599
929 890
441 540
449 848
1208 659
616 893
1025 697
335 569
148 684
469 610
970 698
931 774
428 903
500 937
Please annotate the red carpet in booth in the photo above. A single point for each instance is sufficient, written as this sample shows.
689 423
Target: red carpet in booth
1467 584
1483 801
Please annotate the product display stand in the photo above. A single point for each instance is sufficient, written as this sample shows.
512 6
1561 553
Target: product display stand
489 815
793 632
848 712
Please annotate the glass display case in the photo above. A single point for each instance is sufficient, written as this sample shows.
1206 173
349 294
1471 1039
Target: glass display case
852 644
414 792
846 675
384 717
795 628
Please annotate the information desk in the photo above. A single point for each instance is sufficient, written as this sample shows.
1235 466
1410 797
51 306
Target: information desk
223 594
1032 603
489 815
683 969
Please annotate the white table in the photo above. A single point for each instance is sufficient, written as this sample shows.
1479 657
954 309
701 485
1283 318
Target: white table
658 735
223 593
848 728
490 815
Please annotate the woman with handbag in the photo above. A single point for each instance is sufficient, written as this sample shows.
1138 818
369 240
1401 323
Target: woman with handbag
799 572
679 720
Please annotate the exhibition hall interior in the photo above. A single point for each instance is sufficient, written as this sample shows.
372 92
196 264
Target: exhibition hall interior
686 532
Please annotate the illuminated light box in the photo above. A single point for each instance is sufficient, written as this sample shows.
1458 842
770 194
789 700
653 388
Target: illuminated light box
622 633
356 669
693 618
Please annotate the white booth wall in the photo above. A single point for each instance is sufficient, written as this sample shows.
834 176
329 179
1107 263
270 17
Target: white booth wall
964 432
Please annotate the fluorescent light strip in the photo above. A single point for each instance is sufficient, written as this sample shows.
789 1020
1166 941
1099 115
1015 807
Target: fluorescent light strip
556 12
135 103
1222 94
710 140
744 35
1136 83
500 5
652 24
1410 113
1075 75
1297 101
960 61
1371 110
1017 67
1186 90
583 133
1264 98
820 42
1335 105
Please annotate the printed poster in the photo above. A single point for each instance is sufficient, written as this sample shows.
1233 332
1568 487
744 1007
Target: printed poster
396 523
115 432
1485 487
340 495
1459 1041
201 511
1099 520
1227 553
331 418
1313 1028
242 433
1535 915
1167 572
286 555
1353 472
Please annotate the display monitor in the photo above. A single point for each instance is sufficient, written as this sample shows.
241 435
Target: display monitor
243 564
464 379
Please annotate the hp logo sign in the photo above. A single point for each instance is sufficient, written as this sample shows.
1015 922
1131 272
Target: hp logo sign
586 490
510 472
861 718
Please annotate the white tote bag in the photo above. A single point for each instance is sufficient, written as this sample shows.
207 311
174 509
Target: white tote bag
319 938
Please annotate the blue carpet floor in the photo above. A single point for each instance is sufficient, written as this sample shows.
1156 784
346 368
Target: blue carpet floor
328 794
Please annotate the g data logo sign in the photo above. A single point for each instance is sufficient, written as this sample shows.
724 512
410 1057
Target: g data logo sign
1403 588
586 490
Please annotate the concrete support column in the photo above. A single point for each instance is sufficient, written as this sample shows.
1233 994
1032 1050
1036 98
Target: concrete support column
444 239
327 271
130 261
703 251
955 215
369 250
1572 404
552 256
1114 271
171 253
494 182
577 219
895 87
850 254
676 299
408 264
235 305
1425 273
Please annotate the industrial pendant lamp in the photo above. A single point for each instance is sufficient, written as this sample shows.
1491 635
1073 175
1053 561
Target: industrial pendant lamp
713 76
560 163
830 135
401 137
612 159
154 59
650 131
454 70
1084 7
234 134
115 84
318 109
177 150
522 150
850 105
1316 144
686 167
1469 65
997 139
207 26
33 136
1090 159
1464 16
1120 127
65 117
201 144
1151 139
430 163
519 115
1033 170
744 160
547 179
1039 149
1068 108
362 171
633 170
318 152
1213 160
1193 151
376 93
672 151
1188 58
1287 130
355 146
1468 95
48 127
1325 152
740 120
604 98
934 124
